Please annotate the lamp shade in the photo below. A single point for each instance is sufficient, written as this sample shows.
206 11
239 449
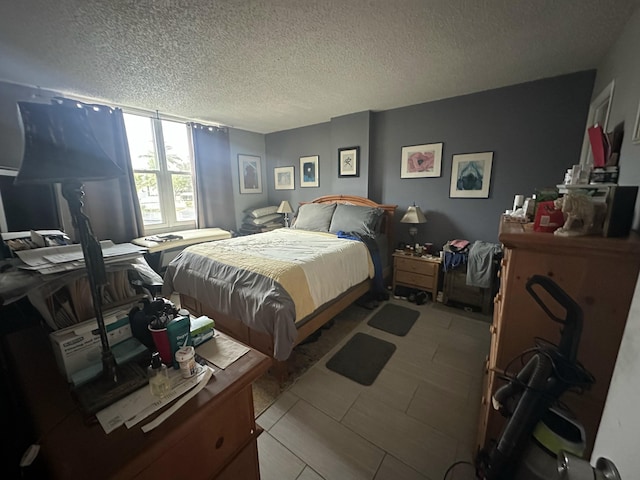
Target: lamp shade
413 215
59 146
284 207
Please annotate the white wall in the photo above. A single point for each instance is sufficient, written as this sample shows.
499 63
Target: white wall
619 431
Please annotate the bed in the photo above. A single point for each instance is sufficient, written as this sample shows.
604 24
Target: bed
272 290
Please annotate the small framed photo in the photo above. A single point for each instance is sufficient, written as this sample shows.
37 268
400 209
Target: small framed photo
471 175
636 128
250 174
309 174
284 178
419 161
349 162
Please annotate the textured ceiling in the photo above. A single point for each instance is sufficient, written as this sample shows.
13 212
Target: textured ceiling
269 65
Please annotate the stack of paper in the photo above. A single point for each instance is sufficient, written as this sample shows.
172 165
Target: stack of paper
70 257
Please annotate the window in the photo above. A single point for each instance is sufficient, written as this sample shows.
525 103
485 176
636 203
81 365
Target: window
161 159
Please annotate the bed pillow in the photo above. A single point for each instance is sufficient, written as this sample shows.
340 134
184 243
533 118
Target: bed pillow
314 216
264 219
356 219
261 211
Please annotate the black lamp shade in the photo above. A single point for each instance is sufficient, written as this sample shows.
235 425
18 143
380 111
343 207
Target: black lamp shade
60 147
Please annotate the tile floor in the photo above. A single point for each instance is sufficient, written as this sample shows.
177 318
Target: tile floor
418 417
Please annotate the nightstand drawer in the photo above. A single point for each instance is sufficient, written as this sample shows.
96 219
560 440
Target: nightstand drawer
415 265
415 279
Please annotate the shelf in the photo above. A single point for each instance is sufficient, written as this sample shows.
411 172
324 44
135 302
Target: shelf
587 186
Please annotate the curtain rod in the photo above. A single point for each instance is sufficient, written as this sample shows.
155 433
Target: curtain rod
142 111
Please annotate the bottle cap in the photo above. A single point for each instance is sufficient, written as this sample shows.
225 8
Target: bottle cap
156 361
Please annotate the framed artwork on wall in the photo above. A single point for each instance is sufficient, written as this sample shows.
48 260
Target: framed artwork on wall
471 175
309 174
250 174
284 179
419 161
349 162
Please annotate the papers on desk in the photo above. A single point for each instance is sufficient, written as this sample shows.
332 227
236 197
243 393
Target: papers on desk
221 351
137 406
70 257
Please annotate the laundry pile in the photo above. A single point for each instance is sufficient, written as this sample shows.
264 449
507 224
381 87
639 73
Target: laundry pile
477 256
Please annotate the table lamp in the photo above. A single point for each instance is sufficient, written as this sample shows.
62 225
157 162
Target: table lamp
286 209
60 147
414 216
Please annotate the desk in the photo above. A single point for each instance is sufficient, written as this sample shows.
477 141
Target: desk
212 436
161 253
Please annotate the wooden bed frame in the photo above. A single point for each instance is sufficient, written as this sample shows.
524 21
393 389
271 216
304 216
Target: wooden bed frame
263 342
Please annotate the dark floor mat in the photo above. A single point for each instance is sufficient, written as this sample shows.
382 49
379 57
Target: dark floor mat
394 319
362 358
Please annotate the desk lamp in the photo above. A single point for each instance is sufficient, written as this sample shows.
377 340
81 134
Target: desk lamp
414 216
60 147
286 209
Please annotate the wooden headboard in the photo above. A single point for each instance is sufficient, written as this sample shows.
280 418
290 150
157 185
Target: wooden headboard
389 211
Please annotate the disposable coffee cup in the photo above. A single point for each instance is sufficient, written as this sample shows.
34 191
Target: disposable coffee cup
185 357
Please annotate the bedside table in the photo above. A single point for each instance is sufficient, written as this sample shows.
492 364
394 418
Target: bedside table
420 273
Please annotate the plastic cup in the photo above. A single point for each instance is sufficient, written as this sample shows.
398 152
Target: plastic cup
161 341
185 357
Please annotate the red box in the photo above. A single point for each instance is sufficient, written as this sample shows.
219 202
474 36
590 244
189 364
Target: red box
548 218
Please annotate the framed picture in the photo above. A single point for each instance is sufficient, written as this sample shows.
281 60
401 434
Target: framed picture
349 162
471 175
284 178
636 128
420 161
309 174
250 174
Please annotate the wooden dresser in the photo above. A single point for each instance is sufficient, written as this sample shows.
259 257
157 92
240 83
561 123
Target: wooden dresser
213 435
599 273
416 272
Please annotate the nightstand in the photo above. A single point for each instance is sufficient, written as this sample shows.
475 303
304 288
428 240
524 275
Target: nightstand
420 273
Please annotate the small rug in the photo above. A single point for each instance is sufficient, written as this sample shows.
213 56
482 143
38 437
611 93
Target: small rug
362 358
267 389
394 319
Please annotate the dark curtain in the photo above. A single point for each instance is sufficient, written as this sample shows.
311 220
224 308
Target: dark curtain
214 190
111 205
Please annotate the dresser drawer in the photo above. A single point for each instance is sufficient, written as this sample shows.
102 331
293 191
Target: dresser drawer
206 450
414 279
416 266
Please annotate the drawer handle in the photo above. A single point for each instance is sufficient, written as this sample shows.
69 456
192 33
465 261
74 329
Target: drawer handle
219 442
492 329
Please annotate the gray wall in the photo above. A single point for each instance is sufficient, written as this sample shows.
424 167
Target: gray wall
618 433
285 148
324 139
246 143
534 129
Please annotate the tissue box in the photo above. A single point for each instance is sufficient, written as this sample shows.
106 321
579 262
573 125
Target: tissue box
201 329
78 347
